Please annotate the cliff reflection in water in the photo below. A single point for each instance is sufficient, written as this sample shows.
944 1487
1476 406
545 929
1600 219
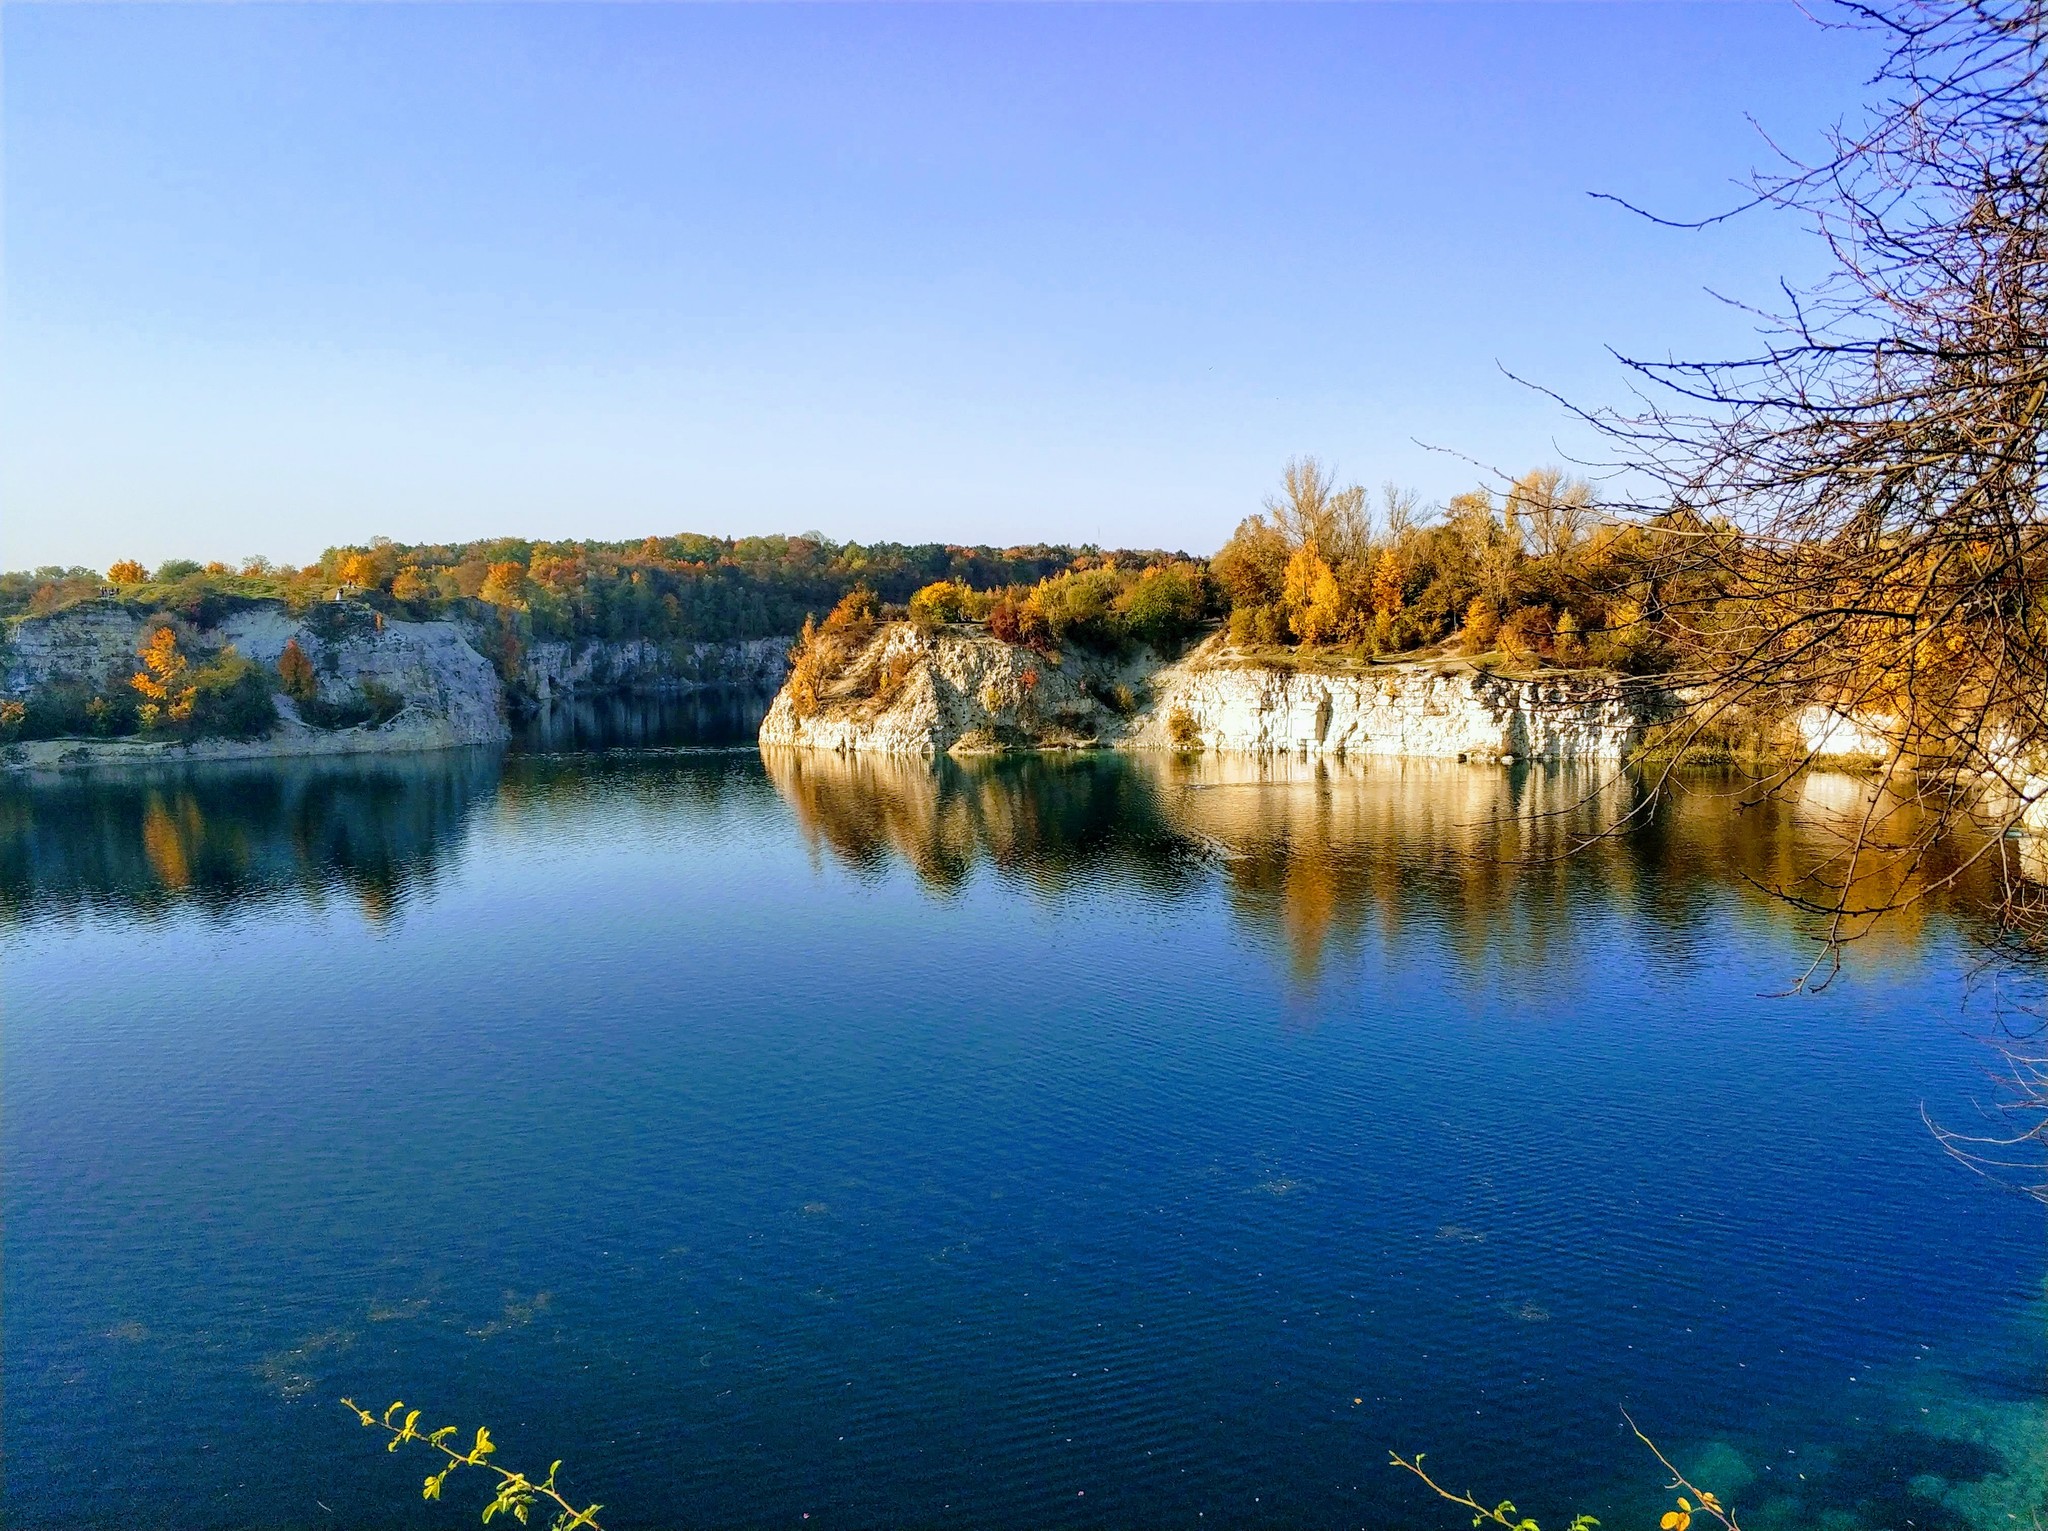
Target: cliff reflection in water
719 716
1052 821
370 828
1319 855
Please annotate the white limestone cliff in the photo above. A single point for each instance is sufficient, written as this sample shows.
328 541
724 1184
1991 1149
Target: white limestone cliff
450 693
958 690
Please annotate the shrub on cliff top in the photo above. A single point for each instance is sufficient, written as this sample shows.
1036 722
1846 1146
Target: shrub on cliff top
945 600
823 649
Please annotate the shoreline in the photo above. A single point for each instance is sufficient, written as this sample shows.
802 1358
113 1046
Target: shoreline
55 756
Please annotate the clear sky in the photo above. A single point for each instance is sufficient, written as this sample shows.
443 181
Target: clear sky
282 276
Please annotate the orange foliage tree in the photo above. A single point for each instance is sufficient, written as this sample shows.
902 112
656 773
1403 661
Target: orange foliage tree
166 698
296 671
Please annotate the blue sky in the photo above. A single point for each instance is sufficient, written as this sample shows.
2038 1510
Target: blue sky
285 276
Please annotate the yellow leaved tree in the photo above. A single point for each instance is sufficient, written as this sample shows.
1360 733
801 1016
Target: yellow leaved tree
166 698
504 585
1312 597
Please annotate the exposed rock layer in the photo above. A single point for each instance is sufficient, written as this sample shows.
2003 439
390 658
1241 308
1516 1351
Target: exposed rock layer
554 668
961 691
451 695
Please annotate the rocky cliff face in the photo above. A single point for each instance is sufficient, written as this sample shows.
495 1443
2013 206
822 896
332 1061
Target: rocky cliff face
447 685
94 643
961 691
1420 711
556 668
451 694
909 692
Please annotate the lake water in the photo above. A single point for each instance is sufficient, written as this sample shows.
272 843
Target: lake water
1087 1142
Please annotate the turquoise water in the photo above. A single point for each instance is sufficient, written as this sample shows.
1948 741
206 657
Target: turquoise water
1086 1143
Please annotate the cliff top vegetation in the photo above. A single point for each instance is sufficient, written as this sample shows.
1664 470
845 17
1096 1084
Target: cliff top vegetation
688 587
1533 574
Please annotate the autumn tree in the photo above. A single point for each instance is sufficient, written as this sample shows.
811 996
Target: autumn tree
1864 496
1492 547
1547 512
504 585
946 600
127 571
1389 584
1482 624
359 569
1313 600
161 682
295 672
1311 510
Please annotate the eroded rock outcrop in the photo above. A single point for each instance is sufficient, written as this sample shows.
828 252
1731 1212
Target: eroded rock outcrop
448 693
961 691
907 691
1435 710
554 668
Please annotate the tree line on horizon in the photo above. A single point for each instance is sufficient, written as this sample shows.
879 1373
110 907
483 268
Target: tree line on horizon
685 587
1533 575
1532 570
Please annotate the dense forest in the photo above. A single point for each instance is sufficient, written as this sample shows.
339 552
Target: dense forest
684 587
1534 572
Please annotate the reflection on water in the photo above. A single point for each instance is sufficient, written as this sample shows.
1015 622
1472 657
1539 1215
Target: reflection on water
233 836
1047 1142
1054 822
1317 852
714 717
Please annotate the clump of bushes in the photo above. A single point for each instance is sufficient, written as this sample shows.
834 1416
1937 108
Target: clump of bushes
68 709
1108 606
231 698
176 692
1118 698
372 704
220 695
947 600
823 648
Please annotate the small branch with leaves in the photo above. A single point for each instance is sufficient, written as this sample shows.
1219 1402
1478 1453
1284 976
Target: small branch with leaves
1681 1518
516 1493
1504 1514
1695 1502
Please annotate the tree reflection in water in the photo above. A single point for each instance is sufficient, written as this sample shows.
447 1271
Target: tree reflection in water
225 836
1317 855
